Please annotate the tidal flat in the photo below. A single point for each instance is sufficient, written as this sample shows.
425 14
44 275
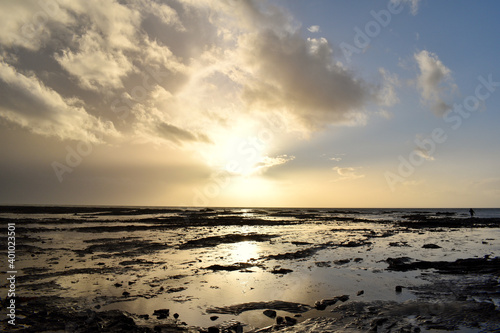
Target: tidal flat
133 269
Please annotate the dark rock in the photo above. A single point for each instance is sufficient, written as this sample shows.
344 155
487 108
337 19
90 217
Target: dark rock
176 315
161 313
290 321
321 305
276 305
281 271
117 285
460 266
214 318
323 263
343 298
431 246
233 267
399 289
175 290
213 329
378 321
97 306
270 313
144 316
280 320
126 293
361 292
342 261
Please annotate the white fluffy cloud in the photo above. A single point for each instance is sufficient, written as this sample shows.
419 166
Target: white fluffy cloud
434 82
29 104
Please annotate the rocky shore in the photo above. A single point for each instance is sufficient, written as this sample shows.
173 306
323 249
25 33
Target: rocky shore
274 271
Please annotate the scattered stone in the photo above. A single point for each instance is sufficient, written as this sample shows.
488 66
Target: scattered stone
342 261
214 318
117 285
399 244
144 316
233 267
161 313
281 271
270 313
321 305
290 321
484 265
355 244
176 290
343 298
323 263
358 259
225 239
431 246
275 305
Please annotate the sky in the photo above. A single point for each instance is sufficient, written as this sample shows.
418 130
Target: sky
270 103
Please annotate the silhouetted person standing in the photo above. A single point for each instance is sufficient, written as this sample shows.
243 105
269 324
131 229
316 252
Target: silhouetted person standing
472 212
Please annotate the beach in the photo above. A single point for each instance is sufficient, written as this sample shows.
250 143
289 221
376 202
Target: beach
137 269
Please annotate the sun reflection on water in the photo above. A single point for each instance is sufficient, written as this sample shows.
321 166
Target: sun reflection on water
244 251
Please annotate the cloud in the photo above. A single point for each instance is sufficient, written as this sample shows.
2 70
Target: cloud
94 67
268 162
179 135
434 82
27 102
183 72
387 95
347 173
313 28
297 75
424 153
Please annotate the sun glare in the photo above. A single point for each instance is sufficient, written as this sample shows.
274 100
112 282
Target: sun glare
245 251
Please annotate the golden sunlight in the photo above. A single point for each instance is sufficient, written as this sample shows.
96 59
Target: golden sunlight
244 251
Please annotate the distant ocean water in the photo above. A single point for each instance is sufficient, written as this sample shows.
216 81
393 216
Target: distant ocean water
97 213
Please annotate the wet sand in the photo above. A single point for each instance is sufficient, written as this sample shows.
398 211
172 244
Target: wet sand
114 269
